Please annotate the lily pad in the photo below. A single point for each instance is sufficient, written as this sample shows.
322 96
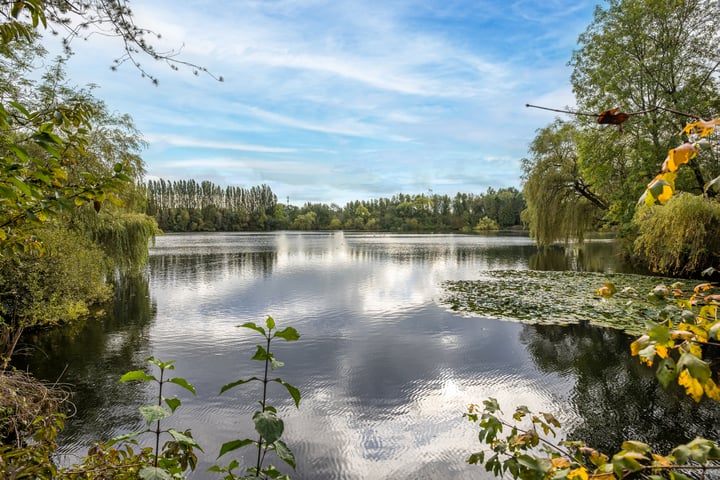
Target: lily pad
557 298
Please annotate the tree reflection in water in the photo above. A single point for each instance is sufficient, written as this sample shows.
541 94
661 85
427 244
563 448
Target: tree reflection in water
116 343
615 397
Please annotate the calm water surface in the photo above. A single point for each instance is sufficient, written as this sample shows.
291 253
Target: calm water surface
385 370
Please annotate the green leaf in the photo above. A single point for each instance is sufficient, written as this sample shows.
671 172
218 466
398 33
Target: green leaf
160 364
184 439
289 334
261 354
127 436
275 363
293 391
659 333
626 462
698 369
154 473
19 152
183 383
252 326
635 446
136 375
239 382
233 445
20 108
270 322
20 185
540 465
153 413
666 372
475 458
269 426
284 453
173 403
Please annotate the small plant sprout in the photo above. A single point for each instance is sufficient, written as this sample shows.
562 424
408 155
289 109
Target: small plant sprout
177 455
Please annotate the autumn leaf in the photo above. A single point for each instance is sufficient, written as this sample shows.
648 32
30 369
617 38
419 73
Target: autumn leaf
679 156
579 474
703 287
639 344
692 385
712 390
703 127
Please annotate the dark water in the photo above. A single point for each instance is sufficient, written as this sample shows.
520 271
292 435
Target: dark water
385 370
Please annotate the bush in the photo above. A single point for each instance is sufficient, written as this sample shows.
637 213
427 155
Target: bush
681 237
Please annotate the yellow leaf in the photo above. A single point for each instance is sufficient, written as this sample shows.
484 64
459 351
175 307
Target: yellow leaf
661 351
703 287
692 385
579 473
2 235
708 312
561 462
639 344
712 390
695 349
661 461
704 127
680 156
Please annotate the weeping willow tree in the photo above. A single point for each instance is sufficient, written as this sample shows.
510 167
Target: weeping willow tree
69 198
561 204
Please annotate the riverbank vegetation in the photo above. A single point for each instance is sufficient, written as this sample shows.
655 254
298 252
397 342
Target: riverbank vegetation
192 206
642 70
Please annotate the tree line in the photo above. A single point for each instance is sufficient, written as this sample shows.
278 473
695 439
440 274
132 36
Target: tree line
192 206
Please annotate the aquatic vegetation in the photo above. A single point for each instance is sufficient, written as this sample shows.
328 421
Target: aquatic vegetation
557 298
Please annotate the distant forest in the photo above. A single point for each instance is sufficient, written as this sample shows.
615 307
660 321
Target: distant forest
191 206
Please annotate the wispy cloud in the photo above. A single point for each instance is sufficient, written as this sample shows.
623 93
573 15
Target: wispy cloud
178 141
333 100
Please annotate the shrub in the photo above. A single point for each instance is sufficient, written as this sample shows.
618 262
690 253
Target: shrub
681 237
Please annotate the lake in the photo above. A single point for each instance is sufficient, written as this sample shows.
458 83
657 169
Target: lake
386 370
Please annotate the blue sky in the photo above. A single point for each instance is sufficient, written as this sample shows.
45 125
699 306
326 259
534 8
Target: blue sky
334 100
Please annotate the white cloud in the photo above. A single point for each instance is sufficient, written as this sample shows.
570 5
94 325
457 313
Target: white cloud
181 141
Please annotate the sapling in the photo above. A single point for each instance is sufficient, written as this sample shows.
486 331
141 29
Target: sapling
268 424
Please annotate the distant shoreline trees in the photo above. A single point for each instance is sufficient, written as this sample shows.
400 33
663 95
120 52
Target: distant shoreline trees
192 206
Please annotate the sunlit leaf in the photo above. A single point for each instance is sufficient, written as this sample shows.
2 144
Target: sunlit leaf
712 390
680 156
183 383
702 127
696 367
252 326
153 413
288 334
692 386
136 375
579 474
